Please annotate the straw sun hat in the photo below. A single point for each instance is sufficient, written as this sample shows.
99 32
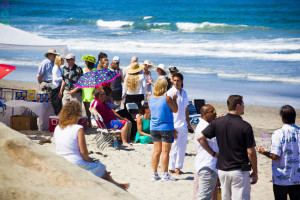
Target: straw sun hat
135 68
148 62
52 51
89 58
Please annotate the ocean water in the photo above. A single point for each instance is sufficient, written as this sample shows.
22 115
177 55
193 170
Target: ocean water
251 48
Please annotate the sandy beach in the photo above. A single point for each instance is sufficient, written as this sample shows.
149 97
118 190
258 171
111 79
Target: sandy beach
34 170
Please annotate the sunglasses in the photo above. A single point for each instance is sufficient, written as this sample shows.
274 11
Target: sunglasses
212 111
69 59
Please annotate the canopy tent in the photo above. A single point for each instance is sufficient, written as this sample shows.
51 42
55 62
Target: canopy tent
6 69
13 38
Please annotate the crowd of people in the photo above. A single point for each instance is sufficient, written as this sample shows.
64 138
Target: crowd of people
225 145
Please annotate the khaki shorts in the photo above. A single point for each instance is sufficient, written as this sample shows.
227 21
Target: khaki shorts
67 97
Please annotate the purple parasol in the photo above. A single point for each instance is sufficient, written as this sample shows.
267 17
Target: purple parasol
96 78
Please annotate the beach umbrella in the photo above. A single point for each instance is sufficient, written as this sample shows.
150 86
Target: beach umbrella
96 78
6 69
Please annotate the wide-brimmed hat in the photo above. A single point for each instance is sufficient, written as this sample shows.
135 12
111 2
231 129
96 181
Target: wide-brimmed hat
52 51
173 69
135 68
148 62
162 67
89 58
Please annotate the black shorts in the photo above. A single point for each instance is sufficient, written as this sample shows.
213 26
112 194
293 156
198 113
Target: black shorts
117 95
134 98
164 136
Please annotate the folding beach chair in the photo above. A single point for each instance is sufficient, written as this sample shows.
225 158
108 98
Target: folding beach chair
105 136
193 116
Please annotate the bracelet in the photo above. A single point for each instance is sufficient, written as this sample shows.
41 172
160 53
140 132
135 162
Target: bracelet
214 153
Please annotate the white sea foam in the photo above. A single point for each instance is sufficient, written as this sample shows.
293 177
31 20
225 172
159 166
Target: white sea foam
113 24
221 49
274 79
192 27
161 24
19 62
147 17
227 75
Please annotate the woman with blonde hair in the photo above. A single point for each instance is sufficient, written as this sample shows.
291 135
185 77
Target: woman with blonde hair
162 130
71 144
56 81
116 85
135 85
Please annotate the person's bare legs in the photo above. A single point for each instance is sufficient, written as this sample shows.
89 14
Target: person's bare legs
124 133
108 177
129 130
156 155
87 111
166 147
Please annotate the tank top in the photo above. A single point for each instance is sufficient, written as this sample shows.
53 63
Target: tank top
87 92
161 114
116 84
66 142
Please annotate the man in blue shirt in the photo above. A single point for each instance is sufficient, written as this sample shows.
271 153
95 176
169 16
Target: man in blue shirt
285 156
45 68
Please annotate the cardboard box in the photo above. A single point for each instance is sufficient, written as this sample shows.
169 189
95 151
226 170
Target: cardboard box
43 97
53 122
21 95
31 94
18 122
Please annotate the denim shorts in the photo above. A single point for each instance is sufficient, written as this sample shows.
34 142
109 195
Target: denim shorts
164 136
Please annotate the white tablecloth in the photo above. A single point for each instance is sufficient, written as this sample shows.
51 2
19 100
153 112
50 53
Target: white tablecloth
43 110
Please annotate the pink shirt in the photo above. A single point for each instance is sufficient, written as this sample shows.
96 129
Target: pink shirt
104 110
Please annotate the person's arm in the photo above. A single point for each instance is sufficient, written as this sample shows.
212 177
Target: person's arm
62 87
203 141
82 146
262 151
253 161
40 72
140 126
172 103
124 88
187 118
39 78
121 74
118 116
72 92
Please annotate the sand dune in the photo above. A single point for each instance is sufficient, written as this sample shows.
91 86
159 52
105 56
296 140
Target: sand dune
29 171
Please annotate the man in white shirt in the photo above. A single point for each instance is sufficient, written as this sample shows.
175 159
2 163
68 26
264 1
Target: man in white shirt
132 60
181 125
205 164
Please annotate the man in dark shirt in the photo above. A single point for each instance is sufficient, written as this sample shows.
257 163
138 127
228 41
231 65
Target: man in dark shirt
236 149
71 74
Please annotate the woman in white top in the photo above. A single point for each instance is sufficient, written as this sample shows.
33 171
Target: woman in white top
70 143
56 81
134 85
147 65
56 71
